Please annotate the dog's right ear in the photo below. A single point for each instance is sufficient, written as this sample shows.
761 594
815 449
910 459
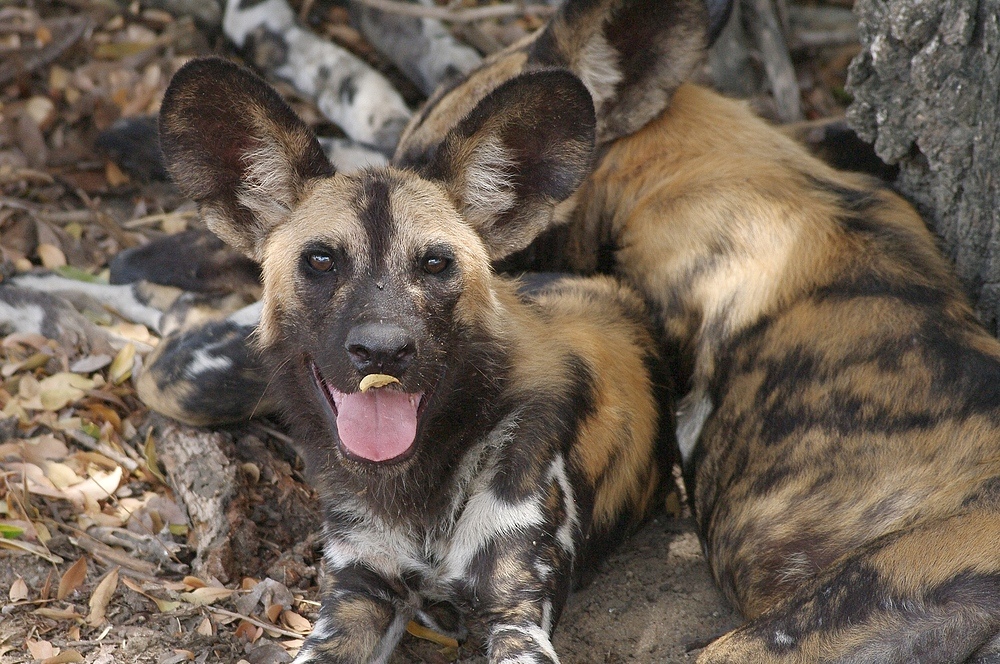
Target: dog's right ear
233 145
524 148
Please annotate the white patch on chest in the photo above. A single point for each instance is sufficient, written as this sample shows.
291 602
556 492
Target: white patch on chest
487 517
692 412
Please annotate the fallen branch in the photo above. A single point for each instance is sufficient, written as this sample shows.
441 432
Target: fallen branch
256 623
764 24
460 14
421 47
204 478
346 90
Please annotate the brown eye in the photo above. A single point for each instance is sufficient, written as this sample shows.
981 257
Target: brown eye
320 261
435 264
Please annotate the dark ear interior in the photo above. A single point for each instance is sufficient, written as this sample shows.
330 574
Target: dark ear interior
631 54
233 145
524 148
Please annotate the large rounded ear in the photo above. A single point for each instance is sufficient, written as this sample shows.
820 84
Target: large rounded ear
233 145
524 148
631 54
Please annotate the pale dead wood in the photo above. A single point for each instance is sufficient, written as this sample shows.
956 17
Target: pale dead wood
764 24
204 480
460 14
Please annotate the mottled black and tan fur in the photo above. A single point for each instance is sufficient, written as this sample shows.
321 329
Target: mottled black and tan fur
537 426
841 435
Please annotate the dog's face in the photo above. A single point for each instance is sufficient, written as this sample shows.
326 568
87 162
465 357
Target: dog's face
374 274
384 275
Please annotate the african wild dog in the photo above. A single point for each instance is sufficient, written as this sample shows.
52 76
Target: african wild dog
521 436
841 433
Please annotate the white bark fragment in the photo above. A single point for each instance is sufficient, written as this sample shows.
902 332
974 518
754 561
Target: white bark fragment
346 90
422 48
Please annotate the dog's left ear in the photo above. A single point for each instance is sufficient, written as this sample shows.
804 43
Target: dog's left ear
524 148
233 145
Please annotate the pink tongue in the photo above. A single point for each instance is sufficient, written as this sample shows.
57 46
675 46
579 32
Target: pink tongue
378 424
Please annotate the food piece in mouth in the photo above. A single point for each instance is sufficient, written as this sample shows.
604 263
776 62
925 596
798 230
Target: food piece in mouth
376 380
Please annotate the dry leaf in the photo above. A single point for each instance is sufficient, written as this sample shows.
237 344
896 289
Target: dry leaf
40 649
99 486
61 475
47 586
58 614
193 582
297 623
205 628
51 256
65 657
114 175
376 380
101 597
273 612
248 631
72 578
165 606
90 363
203 596
121 366
18 590
152 462
57 391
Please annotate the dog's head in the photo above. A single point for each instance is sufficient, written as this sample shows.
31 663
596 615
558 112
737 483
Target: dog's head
384 273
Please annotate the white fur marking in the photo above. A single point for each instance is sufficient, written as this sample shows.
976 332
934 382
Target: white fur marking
547 616
202 360
783 639
484 519
391 638
536 633
564 534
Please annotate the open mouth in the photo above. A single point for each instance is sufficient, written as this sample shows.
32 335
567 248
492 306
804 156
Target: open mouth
377 425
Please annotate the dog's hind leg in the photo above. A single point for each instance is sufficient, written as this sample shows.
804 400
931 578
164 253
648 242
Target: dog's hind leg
928 594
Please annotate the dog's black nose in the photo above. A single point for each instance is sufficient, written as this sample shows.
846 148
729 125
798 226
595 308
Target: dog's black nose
380 348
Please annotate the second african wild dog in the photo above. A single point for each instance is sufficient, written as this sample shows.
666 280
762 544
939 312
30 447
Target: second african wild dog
519 438
841 435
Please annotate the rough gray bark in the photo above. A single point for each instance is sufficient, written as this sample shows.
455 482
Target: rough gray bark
927 93
203 479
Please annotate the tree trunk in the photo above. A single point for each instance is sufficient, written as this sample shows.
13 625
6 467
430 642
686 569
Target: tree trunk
926 91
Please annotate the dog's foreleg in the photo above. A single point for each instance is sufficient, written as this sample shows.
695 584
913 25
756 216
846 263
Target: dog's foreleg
361 620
